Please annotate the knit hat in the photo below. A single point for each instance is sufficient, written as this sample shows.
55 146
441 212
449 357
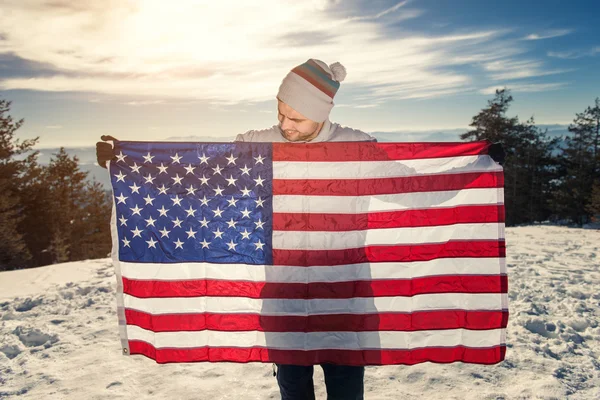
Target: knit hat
310 87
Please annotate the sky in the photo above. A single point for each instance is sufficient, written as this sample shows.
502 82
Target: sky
153 69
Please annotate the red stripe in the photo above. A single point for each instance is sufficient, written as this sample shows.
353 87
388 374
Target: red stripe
395 185
396 253
372 151
415 321
388 219
316 290
490 355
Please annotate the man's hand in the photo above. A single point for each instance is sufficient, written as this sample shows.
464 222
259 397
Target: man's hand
105 151
496 151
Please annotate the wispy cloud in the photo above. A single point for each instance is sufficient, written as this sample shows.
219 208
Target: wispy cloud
216 52
574 54
525 87
548 34
510 69
54 127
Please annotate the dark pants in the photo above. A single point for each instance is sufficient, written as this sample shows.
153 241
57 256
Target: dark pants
343 382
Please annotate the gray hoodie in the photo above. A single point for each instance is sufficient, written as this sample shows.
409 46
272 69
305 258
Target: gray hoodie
331 132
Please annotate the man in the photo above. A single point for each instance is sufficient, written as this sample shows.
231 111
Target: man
305 99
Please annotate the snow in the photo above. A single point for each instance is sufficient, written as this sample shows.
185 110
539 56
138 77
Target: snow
59 337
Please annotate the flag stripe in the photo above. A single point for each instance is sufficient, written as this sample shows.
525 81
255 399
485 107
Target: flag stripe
331 241
416 321
320 340
360 151
386 202
389 219
317 290
356 305
491 355
375 186
382 169
320 273
405 253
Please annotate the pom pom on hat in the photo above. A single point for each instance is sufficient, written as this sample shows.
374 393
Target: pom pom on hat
338 71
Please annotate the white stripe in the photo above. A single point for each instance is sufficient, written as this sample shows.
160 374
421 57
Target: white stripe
320 240
382 169
337 273
321 340
387 202
357 305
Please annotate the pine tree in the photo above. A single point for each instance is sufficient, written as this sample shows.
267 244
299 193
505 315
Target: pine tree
579 166
593 207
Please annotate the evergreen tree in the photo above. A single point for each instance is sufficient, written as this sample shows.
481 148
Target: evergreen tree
579 166
593 206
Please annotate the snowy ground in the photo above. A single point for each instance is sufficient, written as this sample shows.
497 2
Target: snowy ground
59 340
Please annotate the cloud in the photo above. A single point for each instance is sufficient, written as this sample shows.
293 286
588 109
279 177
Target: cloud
232 52
54 127
525 87
574 54
507 70
548 34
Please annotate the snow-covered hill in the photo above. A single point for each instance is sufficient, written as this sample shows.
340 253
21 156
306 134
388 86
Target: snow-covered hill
59 340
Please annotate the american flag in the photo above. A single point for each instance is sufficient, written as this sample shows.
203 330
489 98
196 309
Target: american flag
347 253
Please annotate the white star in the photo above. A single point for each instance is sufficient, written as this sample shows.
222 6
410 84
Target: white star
204 180
149 179
231 159
177 222
123 220
136 168
231 180
162 169
245 234
164 232
259 159
176 200
259 181
178 179
231 245
232 202
190 211
191 233
178 244
136 210
176 158
126 242
204 244
204 223
189 169
231 223
246 191
135 188
150 221
218 191
149 200
245 170
121 157
259 202
218 233
217 170
121 199
148 158
245 213
204 201
259 224
203 159
218 212
151 243
136 232
163 189
191 190
163 212
259 244
120 177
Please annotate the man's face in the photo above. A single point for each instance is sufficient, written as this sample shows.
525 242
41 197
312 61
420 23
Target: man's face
295 126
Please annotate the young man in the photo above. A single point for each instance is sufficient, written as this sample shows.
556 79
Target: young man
305 99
